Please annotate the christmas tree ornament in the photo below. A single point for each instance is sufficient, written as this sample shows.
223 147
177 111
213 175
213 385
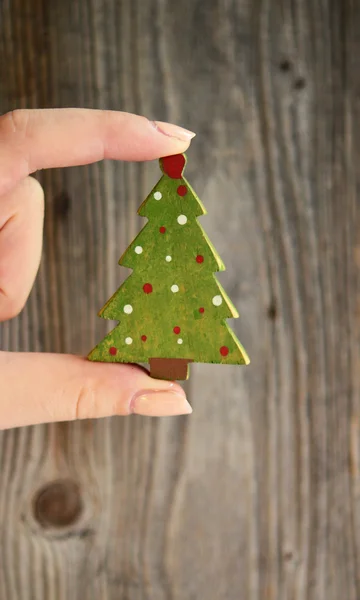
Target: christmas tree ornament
171 310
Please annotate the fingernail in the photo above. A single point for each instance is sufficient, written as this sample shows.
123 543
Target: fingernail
159 404
173 131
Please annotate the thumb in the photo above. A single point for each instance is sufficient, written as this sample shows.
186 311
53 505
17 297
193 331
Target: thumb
41 388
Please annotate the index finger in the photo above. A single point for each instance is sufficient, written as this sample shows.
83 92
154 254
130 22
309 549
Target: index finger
41 139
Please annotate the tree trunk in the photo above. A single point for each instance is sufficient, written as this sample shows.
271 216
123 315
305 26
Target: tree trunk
170 368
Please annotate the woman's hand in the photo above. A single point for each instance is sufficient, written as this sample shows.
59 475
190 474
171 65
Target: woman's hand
39 388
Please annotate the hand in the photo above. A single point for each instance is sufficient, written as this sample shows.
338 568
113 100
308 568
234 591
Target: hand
39 388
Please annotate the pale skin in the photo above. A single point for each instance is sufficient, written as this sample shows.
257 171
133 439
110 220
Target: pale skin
41 388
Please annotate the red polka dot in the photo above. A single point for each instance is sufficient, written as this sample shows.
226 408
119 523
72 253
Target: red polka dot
199 259
143 338
176 330
162 229
201 310
112 351
148 288
182 190
224 350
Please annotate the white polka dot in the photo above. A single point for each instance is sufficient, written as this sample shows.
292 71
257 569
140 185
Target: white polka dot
182 219
179 341
138 249
128 309
168 258
128 341
217 300
158 195
174 288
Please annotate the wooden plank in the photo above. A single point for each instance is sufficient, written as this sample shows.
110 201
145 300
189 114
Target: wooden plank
255 495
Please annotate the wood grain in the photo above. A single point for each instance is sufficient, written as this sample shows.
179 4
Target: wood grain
255 495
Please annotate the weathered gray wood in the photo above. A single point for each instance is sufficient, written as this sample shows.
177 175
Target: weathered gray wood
256 495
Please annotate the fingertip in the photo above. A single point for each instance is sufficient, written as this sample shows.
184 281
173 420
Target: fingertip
152 403
142 139
124 389
173 131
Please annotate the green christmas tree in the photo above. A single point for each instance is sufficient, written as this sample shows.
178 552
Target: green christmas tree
171 310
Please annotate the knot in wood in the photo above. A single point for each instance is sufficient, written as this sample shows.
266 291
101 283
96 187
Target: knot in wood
62 205
58 504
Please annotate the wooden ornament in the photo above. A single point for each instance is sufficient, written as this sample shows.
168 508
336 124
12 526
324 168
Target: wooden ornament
171 310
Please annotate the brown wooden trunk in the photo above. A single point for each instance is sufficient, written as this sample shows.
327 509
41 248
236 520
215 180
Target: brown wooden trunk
170 368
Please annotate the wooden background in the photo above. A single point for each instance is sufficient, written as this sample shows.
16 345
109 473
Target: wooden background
257 494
